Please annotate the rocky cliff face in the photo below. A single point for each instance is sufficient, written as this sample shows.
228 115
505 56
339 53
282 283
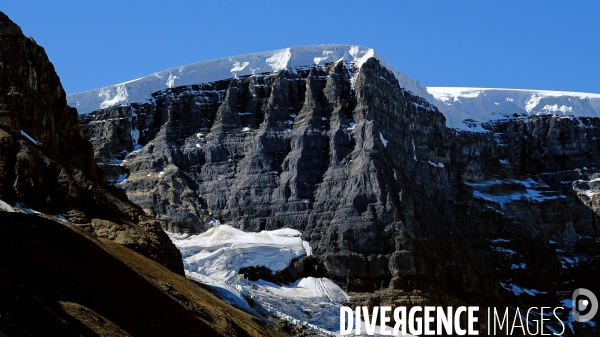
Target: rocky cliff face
46 165
386 194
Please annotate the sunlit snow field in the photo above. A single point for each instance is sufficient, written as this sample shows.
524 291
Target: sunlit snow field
214 258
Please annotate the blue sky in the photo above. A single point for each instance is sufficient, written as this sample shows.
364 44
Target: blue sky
553 45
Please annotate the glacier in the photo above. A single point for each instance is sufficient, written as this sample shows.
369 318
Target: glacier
140 90
215 257
466 108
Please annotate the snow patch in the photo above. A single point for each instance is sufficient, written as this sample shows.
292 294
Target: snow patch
518 291
307 248
61 217
135 136
500 240
216 256
29 138
121 178
518 266
435 164
531 190
5 206
505 251
25 209
383 140
238 66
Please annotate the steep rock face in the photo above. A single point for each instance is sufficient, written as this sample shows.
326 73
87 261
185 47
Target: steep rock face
387 195
301 149
51 167
33 100
535 180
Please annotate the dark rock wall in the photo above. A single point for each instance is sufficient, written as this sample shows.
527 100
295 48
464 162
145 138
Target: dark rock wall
33 100
388 202
57 174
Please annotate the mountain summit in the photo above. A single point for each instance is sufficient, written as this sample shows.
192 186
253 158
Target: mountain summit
141 89
464 108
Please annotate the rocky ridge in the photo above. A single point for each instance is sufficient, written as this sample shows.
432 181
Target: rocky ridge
45 164
386 194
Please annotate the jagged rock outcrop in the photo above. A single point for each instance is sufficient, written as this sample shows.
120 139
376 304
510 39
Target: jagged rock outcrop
385 193
47 166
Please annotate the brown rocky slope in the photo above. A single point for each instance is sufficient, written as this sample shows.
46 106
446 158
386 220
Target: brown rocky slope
57 279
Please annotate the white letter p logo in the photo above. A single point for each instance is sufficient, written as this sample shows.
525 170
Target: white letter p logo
583 304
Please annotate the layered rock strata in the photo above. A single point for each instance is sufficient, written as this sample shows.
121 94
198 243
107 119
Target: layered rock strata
385 193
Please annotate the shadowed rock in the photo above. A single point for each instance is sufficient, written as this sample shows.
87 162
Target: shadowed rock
54 172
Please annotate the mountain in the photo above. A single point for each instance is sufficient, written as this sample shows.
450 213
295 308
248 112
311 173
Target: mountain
77 258
398 190
451 195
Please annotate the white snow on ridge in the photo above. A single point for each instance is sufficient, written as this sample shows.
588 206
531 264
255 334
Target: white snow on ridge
479 105
464 108
140 90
